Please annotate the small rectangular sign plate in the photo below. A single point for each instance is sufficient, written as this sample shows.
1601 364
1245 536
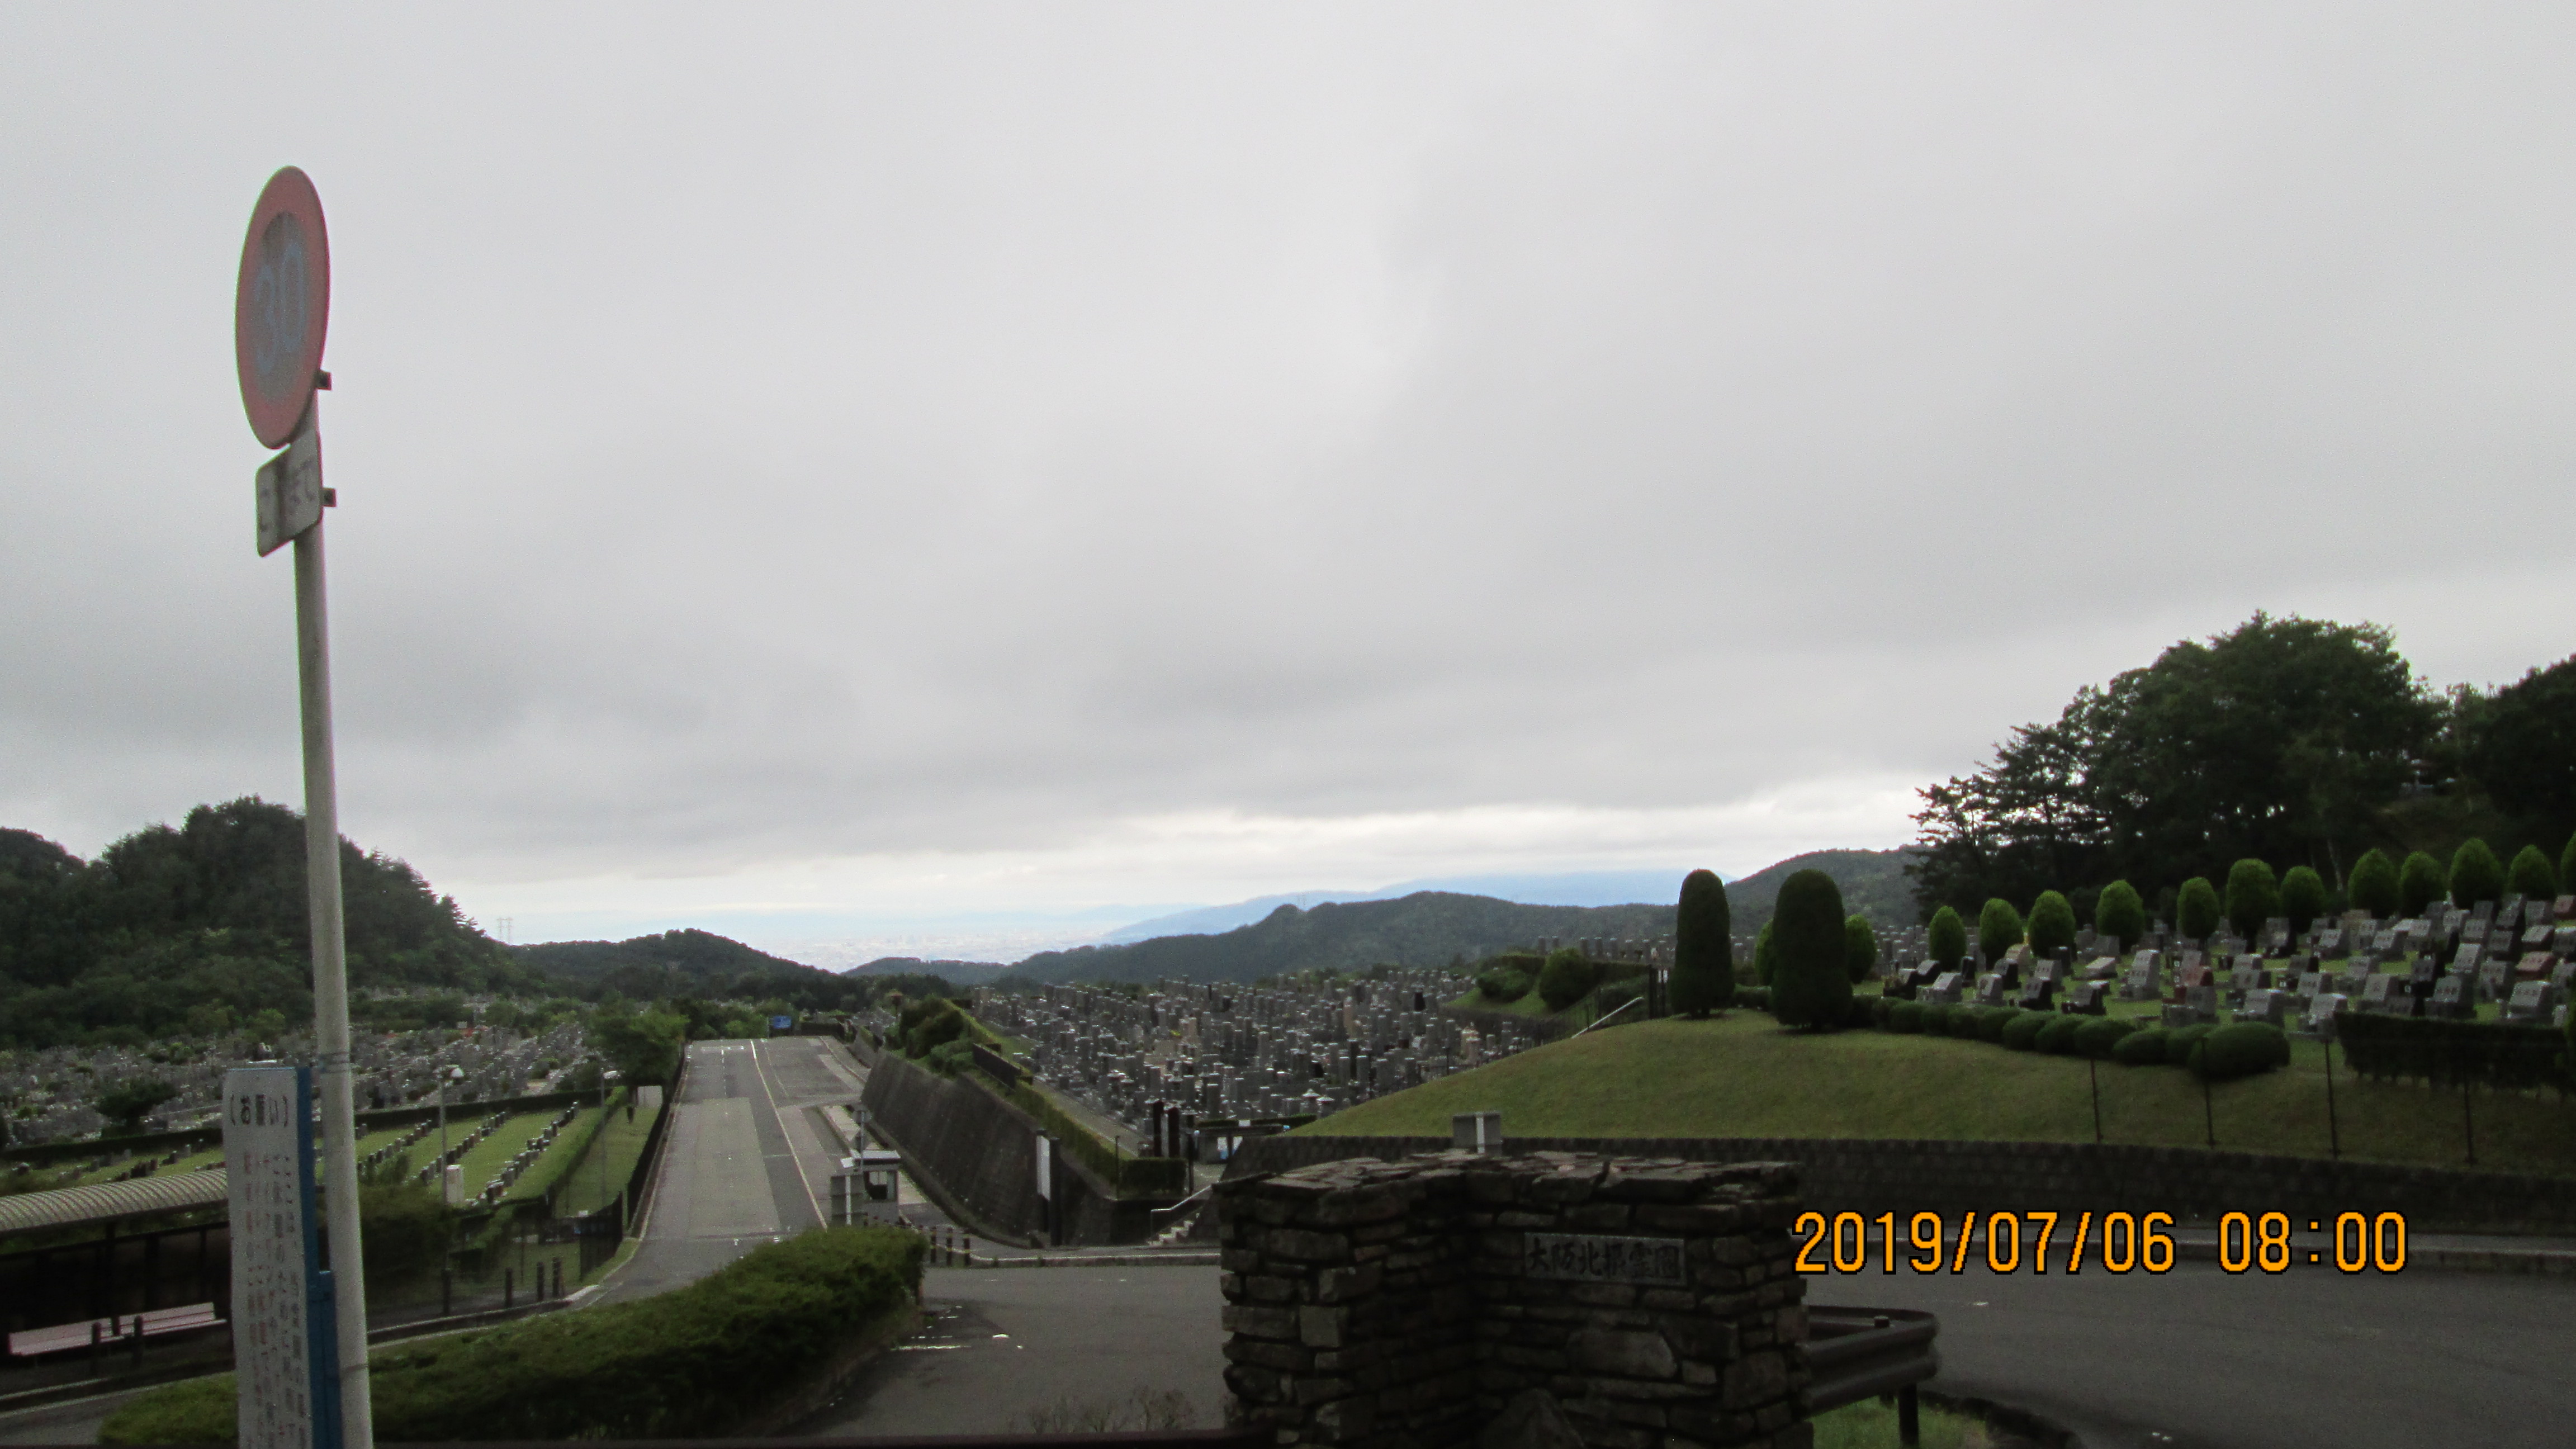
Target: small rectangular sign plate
1587 1258
290 492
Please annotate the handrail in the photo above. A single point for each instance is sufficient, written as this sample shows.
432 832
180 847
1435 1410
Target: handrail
1614 1011
1184 1202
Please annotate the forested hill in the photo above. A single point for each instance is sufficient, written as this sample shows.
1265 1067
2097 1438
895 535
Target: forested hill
1428 928
1874 884
688 963
202 925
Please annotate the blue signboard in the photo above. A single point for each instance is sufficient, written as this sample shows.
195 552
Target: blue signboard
782 1023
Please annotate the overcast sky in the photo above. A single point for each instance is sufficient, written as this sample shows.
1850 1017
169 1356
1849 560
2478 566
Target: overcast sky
944 475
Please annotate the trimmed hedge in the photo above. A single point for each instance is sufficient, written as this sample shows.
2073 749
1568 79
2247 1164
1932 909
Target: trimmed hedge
2420 882
1946 938
2372 884
1566 979
1502 983
2100 1036
2144 1048
2180 1041
2240 1049
2058 1037
2021 1033
691 1363
2476 874
2455 1053
2120 913
1905 1018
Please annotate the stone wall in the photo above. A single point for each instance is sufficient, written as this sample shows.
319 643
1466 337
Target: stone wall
1405 1305
1870 1176
978 1155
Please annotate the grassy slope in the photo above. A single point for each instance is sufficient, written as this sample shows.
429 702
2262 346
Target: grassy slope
1744 1076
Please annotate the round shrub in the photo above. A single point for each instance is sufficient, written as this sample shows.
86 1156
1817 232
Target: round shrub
1879 1007
2476 874
1703 948
2180 1041
2567 865
2144 1048
1999 929
1565 979
2253 897
2098 1036
2196 909
1946 937
1503 983
2372 886
2120 914
2057 1038
2240 1049
1860 948
2022 1031
1809 987
2420 882
1905 1018
2532 877
1753 998
2303 898
2052 924
1991 1021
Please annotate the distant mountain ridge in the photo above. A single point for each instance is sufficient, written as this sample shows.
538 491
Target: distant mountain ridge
1565 888
1873 884
956 973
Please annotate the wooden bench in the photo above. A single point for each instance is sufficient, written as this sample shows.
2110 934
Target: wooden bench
119 1330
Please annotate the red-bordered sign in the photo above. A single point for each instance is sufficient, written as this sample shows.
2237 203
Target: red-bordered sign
282 306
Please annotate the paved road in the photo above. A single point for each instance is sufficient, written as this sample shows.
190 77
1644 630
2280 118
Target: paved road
746 1163
1002 1344
2200 1359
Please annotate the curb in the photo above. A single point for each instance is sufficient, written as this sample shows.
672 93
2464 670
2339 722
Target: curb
1101 1260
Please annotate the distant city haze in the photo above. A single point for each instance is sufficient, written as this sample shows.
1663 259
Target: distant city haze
962 480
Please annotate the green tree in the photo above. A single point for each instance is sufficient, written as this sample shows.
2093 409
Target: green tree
2253 897
2120 914
2196 909
2567 866
1566 978
644 1047
2476 874
2532 876
1811 986
2420 882
2303 898
1766 955
1946 938
127 1103
1999 929
1860 947
2372 887
1703 965
2523 747
2052 924
2278 740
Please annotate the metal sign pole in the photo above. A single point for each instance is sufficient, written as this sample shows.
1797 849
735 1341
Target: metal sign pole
331 987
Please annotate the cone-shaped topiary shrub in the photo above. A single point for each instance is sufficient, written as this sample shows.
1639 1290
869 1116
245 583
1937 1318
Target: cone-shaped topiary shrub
2052 924
2120 914
2532 877
1860 948
1766 957
2253 897
1999 929
2372 886
2476 874
2303 898
1809 986
2196 909
2420 882
1946 937
1703 949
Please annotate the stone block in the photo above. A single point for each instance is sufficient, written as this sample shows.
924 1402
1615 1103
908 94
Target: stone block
1304 1245
1625 1353
1755 1379
1320 1326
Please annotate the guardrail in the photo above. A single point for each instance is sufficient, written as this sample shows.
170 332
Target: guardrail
1861 1353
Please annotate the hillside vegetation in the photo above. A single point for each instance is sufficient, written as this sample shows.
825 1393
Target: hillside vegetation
1873 883
1428 928
189 928
690 964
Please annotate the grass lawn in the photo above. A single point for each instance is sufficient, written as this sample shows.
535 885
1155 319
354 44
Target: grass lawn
489 1155
1746 1076
620 1145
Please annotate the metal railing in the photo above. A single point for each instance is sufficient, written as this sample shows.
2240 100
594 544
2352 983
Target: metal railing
1861 1353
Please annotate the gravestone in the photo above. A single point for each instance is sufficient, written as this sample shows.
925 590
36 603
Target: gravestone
2535 965
2529 1003
2140 984
2467 961
2495 979
2265 1005
1944 990
2319 1020
2564 908
2312 984
2537 938
2101 968
2453 999
1990 989
2037 994
2086 998
2387 995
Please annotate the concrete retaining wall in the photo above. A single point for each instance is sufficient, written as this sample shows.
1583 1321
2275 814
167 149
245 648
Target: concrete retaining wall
968 1146
2195 1185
